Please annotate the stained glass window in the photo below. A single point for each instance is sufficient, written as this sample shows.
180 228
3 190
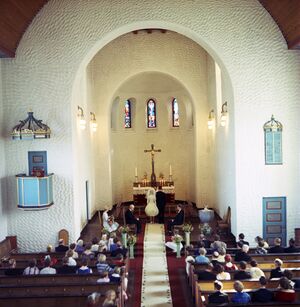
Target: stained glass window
127 114
151 114
175 113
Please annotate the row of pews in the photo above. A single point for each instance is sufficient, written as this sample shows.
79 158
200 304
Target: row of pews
202 289
68 290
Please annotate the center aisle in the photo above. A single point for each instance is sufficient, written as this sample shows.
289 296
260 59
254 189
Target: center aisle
155 281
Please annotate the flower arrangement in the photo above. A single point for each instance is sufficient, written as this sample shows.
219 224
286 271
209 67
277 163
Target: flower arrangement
124 229
205 229
177 239
131 239
187 227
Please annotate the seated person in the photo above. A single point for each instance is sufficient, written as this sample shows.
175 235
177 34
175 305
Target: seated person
277 272
202 258
79 247
88 251
73 247
113 245
207 274
120 249
32 268
255 272
95 245
260 249
178 220
221 274
289 275
229 266
218 244
262 295
242 274
84 269
218 257
47 269
277 248
111 225
71 260
104 278
242 255
110 299
102 265
61 247
189 259
260 239
116 275
203 242
118 260
12 270
285 293
241 241
65 268
131 219
93 300
239 296
218 297
292 247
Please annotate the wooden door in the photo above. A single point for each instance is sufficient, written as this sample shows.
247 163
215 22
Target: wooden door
274 219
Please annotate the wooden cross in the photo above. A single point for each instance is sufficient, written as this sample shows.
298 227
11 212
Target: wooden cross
152 151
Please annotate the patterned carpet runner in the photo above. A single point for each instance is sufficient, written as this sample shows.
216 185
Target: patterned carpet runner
155 283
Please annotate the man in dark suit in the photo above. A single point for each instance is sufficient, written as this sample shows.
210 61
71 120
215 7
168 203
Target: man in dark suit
292 247
218 297
277 248
262 295
131 219
242 274
207 274
178 220
61 247
161 203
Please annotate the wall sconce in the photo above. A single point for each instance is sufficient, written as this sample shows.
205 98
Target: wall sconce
81 118
210 121
93 122
224 114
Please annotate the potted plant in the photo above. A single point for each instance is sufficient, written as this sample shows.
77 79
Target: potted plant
124 230
205 229
177 239
187 228
131 242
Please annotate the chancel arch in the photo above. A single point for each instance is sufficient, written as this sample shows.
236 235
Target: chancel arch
51 55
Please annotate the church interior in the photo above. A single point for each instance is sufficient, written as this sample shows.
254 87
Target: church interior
87 87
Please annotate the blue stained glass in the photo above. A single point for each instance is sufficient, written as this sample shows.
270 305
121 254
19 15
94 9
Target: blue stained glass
127 114
175 113
151 114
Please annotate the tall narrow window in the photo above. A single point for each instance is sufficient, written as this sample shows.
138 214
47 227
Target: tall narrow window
175 113
127 114
151 114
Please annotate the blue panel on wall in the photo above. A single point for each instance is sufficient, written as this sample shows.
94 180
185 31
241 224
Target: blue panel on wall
31 192
43 191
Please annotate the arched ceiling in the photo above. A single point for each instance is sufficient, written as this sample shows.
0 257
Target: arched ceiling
16 16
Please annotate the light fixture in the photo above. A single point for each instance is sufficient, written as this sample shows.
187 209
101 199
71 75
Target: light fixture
224 114
30 128
93 122
81 118
210 121
273 125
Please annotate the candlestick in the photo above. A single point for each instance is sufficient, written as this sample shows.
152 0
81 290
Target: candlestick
135 172
170 171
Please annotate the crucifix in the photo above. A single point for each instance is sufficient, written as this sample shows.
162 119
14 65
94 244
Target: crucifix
152 151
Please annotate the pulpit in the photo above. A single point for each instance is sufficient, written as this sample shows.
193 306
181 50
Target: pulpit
34 193
206 215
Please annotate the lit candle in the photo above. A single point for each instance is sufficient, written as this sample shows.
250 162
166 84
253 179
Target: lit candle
135 171
170 172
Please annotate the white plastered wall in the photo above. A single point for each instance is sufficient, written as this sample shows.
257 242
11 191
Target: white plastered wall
3 190
239 34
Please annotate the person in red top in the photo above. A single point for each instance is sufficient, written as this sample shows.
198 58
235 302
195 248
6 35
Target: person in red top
285 293
229 266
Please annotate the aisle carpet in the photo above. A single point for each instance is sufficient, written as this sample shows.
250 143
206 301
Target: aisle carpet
155 285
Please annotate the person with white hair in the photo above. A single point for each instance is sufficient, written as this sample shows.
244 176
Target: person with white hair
151 208
277 272
79 247
242 255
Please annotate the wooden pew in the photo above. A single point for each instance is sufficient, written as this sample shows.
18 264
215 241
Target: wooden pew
205 294
53 295
208 286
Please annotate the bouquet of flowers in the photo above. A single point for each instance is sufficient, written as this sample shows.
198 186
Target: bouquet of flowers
105 231
124 229
177 239
187 227
131 239
205 229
